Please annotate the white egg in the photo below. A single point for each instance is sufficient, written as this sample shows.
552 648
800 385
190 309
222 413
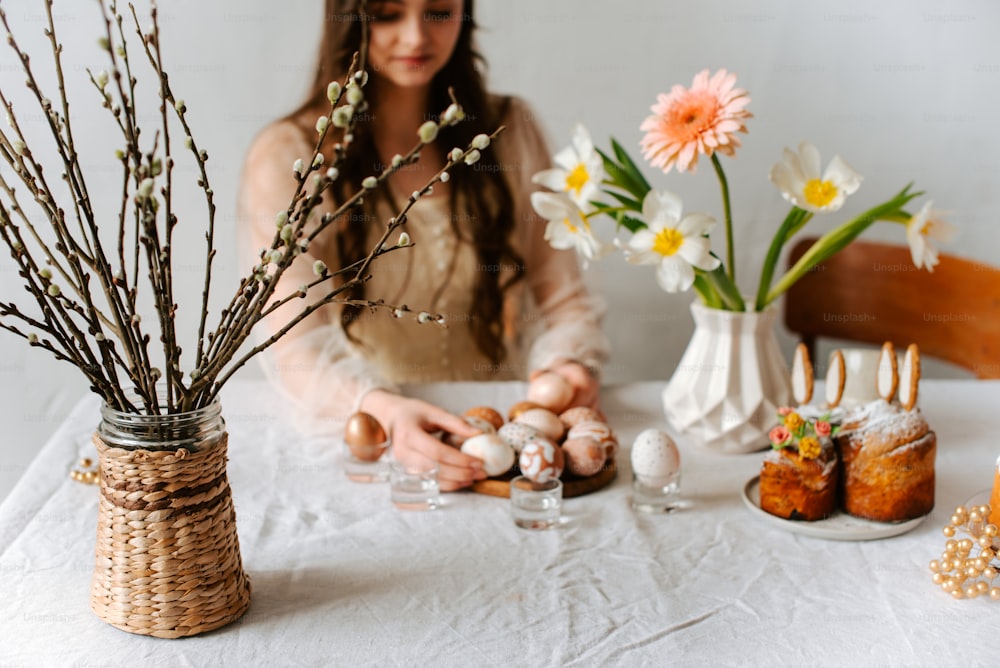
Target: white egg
516 434
544 421
655 456
479 423
496 454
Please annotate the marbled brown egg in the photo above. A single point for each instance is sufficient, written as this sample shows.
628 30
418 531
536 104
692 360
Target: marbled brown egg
365 437
574 416
544 421
599 431
541 460
584 455
491 415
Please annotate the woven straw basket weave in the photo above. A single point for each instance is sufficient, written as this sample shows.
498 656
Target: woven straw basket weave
168 556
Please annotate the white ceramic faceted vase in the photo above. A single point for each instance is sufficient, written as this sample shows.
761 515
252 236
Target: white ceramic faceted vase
730 382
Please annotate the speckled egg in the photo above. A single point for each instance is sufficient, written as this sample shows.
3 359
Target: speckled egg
544 421
491 415
574 416
655 456
600 432
496 454
552 391
479 423
518 434
541 460
584 456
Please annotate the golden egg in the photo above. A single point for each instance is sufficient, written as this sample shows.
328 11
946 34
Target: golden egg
365 437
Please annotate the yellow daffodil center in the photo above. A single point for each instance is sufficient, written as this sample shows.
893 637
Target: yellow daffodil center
819 193
577 179
667 241
570 226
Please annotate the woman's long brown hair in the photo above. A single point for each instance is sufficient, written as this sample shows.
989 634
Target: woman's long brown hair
483 188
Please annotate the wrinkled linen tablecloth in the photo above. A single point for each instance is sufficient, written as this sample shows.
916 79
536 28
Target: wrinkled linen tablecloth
340 577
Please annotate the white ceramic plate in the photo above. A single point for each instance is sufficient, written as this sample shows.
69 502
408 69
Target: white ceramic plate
839 526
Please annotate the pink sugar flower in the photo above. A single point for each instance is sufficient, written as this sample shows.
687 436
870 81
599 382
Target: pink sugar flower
822 428
779 436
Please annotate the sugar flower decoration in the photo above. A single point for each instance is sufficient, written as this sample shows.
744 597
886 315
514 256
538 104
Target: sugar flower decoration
922 226
568 227
805 435
675 243
798 178
578 172
702 119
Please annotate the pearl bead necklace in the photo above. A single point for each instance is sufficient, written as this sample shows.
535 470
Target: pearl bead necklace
959 572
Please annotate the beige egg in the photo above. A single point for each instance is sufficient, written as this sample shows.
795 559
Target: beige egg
496 454
541 460
491 415
552 391
544 421
365 437
584 455
574 416
519 408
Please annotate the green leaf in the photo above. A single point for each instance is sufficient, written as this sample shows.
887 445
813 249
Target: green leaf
633 204
628 165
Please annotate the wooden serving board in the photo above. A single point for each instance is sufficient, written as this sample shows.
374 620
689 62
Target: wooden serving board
572 485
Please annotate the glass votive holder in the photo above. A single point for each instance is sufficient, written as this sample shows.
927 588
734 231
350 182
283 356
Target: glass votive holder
371 466
535 505
414 485
656 494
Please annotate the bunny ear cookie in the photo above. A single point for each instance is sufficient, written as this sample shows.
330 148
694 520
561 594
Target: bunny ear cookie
887 378
802 375
909 377
835 378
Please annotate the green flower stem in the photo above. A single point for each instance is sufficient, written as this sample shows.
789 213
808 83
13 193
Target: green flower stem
833 241
726 289
709 297
727 211
793 222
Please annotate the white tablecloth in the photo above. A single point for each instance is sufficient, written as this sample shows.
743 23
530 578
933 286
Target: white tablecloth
340 577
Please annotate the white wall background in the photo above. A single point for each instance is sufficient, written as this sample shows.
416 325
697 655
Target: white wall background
902 89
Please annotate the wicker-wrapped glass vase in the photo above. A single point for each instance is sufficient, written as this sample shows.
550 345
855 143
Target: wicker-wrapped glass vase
168 556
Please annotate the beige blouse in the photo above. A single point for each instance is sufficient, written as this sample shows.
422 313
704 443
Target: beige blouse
549 316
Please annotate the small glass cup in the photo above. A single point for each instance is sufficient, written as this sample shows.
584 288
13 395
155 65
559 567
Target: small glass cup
535 505
414 485
367 470
656 495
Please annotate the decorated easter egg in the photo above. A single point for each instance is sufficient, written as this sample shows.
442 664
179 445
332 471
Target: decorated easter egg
544 421
479 423
584 455
541 460
365 437
486 413
574 416
600 432
655 456
519 408
552 391
496 454
517 434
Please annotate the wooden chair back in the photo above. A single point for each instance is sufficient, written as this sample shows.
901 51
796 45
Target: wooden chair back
871 292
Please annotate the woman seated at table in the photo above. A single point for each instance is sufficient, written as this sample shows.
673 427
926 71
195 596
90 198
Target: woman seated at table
514 305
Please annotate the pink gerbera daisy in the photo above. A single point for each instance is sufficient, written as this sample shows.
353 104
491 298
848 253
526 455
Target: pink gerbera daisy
702 119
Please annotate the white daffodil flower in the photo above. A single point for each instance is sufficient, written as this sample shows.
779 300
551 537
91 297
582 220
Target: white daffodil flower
925 225
676 244
798 178
568 227
578 172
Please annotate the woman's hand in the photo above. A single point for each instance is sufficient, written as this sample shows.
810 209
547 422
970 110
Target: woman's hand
586 387
410 424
